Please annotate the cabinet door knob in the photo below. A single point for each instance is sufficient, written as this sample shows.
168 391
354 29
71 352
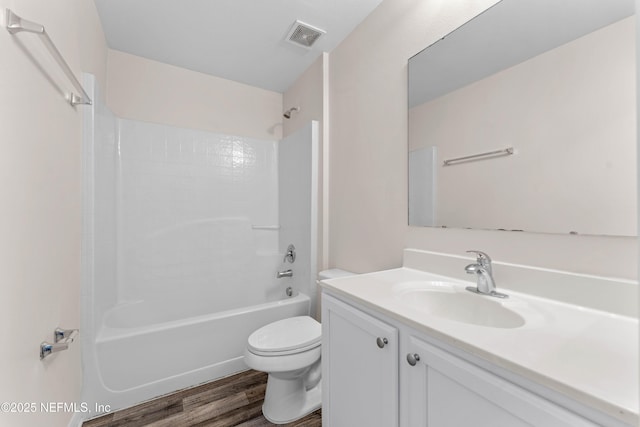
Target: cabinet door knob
382 342
412 359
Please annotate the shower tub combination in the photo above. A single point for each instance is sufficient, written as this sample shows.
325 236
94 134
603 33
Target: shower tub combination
148 349
181 246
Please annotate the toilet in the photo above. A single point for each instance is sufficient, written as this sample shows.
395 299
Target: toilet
289 351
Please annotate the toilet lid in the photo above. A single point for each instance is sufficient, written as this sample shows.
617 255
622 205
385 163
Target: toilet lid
293 333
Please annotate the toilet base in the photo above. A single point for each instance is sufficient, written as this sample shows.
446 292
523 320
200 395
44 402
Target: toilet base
287 400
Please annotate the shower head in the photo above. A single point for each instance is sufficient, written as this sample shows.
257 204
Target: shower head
287 114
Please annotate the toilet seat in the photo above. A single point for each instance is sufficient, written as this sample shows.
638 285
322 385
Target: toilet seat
288 336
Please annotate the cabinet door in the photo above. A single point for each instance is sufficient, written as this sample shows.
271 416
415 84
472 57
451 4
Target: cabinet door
446 391
359 368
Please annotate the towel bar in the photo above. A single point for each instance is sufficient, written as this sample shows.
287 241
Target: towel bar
497 153
16 24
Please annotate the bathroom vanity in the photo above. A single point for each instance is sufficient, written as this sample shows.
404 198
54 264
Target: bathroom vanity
406 347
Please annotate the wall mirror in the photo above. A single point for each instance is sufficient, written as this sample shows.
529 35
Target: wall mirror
524 119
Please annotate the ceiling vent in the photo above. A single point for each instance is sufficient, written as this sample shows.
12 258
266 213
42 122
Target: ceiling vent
304 35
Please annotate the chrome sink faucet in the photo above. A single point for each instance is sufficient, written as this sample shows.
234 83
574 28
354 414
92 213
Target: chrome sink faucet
482 269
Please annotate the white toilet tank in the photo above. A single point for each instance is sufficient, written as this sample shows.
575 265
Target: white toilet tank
334 273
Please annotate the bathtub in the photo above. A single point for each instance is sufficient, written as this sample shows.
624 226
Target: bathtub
144 350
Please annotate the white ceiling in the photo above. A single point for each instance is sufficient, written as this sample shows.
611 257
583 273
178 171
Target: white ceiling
241 40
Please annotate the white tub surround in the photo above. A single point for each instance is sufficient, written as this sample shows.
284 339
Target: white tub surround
181 245
581 354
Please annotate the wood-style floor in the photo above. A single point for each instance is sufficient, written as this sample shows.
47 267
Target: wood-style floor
232 401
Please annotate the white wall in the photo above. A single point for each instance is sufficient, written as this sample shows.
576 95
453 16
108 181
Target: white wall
572 123
307 93
368 189
41 203
150 91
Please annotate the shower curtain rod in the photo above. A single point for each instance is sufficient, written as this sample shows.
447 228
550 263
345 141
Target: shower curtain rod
16 24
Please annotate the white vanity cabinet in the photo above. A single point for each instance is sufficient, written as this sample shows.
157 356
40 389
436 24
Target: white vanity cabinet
378 371
443 390
359 368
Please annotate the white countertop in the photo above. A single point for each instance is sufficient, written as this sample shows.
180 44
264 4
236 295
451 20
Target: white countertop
588 355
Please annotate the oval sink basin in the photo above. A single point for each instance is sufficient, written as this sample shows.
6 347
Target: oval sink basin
452 302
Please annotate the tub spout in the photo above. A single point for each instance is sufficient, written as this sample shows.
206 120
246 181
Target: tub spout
285 273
